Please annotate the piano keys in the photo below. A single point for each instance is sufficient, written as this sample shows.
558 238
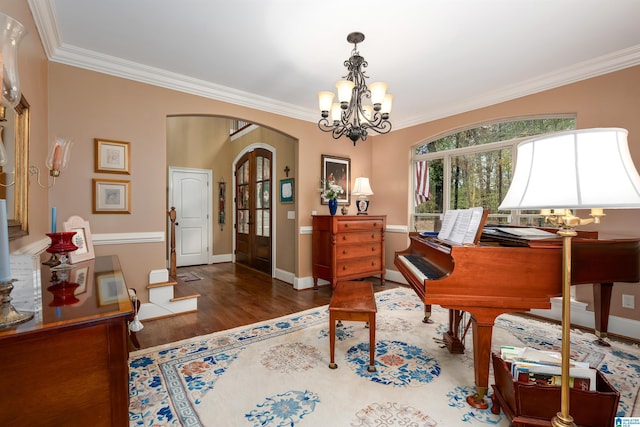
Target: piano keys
496 277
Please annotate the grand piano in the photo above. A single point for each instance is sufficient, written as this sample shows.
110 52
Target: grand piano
502 274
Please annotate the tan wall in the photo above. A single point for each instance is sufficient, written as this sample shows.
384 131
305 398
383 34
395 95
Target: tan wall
32 67
612 100
83 105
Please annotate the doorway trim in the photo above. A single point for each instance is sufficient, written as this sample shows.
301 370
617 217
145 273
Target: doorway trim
209 173
274 231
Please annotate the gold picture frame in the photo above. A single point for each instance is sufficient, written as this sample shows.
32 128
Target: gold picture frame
112 156
111 196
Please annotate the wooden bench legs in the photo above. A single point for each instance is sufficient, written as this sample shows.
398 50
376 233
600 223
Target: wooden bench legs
353 301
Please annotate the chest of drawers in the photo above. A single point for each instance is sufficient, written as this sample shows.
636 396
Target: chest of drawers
347 247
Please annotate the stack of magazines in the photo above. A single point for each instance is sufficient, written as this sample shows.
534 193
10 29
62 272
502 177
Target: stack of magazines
545 368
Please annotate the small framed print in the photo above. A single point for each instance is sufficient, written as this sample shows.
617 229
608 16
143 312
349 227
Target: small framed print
82 239
112 156
111 196
286 190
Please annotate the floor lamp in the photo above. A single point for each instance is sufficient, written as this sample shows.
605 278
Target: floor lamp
555 173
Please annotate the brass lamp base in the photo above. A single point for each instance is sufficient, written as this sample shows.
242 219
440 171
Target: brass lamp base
9 316
560 421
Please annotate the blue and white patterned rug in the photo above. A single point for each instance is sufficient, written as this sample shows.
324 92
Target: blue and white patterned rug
276 373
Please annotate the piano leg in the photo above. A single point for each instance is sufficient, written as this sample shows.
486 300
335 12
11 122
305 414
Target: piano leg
601 306
482 328
427 314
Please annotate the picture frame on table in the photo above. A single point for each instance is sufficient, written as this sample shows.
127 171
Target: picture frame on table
112 156
111 196
338 170
287 190
107 286
82 239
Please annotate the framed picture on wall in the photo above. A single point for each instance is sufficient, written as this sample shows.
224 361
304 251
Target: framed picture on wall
286 190
337 170
111 156
111 196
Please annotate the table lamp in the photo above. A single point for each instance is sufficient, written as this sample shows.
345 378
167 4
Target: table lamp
580 169
362 189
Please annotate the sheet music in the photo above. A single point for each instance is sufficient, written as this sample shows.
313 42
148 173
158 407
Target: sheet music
448 223
461 225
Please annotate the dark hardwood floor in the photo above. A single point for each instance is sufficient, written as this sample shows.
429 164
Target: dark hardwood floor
232 295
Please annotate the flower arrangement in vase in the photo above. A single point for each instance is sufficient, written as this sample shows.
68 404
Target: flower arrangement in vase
330 193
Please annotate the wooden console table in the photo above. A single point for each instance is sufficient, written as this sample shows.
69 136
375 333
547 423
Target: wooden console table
68 365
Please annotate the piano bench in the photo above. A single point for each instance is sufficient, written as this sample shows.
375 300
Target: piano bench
353 300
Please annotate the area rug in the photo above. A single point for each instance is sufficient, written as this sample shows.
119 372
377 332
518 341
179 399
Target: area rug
276 373
188 277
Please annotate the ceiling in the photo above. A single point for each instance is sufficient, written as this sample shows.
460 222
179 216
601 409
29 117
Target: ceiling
439 57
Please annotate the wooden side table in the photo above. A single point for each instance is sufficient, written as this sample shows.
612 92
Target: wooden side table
353 301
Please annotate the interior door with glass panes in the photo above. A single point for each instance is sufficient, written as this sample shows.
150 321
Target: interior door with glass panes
253 210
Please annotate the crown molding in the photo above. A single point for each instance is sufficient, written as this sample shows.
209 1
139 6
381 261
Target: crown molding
44 15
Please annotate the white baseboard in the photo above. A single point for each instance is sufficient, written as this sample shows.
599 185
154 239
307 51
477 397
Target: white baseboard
582 317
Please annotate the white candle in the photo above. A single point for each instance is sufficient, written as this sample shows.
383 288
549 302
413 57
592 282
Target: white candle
5 267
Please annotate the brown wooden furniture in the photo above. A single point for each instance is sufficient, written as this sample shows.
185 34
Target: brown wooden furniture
353 301
68 366
347 247
529 404
491 279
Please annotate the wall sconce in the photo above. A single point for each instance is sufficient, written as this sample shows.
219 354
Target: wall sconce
362 189
57 160
11 33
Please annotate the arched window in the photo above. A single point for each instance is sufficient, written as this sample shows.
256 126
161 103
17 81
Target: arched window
473 167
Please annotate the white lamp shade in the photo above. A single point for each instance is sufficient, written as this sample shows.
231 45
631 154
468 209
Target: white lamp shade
378 91
589 168
362 187
345 87
325 99
387 103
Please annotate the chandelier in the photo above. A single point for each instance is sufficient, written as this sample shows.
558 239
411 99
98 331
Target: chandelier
352 115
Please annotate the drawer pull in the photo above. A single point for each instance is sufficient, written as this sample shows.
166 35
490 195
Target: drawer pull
344 252
344 267
373 248
373 236
344 237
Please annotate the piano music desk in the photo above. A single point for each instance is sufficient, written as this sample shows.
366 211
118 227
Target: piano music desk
353 301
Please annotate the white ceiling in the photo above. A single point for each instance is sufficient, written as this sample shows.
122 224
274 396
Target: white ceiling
439 57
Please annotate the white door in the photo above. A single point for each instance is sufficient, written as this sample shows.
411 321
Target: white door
190 194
